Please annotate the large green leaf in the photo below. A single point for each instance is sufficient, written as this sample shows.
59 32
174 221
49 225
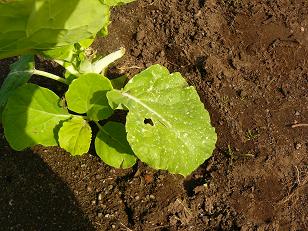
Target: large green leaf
20 73
112 147
32 116
167 125
29 25
75 136
87 94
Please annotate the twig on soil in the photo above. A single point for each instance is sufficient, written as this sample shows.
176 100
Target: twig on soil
299 125
294 192
128 229
298 175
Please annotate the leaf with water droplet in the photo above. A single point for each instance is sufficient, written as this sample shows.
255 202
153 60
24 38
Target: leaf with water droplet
176 139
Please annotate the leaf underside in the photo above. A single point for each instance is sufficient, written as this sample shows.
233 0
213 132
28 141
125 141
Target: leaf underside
167 125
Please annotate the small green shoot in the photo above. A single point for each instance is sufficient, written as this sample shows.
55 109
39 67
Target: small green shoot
251 134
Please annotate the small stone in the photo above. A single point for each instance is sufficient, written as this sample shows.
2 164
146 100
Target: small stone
298 146
152 197
297 113
89 189
113 226
302 29
99 214
137 198
83 165
107 215
140 35
100 197
11 202
98 177
93 202
110 187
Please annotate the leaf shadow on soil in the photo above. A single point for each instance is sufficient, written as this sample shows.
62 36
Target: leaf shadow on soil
33 197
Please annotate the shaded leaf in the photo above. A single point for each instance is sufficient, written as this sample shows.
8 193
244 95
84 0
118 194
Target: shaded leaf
28 25
112 147
20 73
32 116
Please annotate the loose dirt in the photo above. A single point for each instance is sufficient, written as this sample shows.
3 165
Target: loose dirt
248 61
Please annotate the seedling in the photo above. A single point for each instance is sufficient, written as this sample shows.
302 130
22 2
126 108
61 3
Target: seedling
251 134
166 127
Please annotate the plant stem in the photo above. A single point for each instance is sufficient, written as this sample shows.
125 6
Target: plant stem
100 65
50 76
98 125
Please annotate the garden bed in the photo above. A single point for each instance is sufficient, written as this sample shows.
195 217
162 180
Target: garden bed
248 62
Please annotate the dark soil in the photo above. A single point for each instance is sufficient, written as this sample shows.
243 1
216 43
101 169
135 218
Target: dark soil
248 61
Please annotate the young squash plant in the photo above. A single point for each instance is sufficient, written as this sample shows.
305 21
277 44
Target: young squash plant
166 126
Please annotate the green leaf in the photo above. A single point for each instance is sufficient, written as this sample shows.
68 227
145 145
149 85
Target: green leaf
20 73
87 94
119 83
31 25
32 116
75 136
167 125
64 53
112 147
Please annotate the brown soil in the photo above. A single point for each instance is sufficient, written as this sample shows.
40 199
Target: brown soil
248 61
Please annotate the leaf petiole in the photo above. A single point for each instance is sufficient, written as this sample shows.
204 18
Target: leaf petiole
49 75
98 125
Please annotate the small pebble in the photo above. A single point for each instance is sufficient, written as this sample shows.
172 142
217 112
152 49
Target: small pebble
107 215
298 146
152 197
100 197
113 226
137 198
297 113
99 214
89 189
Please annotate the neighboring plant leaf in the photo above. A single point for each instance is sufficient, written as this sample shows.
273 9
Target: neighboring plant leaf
167 125
87 94
75 136
112 147
20 73
32 116
27 25
64 53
